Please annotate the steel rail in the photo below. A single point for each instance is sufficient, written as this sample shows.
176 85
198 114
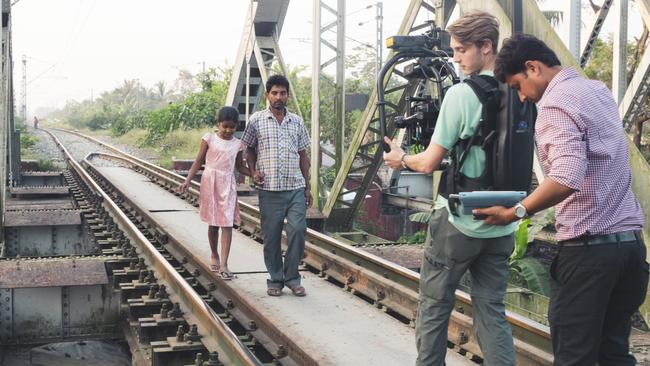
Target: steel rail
282 344
216 336
388 285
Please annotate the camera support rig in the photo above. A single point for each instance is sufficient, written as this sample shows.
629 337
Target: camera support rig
432 52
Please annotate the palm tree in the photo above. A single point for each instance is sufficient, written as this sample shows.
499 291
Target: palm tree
160 91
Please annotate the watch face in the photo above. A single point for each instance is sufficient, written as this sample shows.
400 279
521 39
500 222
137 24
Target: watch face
520 211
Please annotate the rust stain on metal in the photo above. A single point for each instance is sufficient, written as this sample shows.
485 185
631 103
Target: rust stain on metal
52 272
42 218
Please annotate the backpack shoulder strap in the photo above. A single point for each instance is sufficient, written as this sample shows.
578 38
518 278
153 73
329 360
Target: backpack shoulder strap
484 86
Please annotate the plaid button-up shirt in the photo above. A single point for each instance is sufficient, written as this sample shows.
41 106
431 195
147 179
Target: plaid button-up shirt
277 146
582 145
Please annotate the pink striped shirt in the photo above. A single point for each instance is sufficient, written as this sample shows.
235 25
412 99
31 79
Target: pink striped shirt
582 145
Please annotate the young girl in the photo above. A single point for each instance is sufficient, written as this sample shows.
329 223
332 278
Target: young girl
221 151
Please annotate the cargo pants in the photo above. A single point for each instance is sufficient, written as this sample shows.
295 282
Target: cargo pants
448 254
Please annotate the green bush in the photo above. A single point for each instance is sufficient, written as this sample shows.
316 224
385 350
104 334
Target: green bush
27 140
131 121
328 176
44 164
99 122
416 238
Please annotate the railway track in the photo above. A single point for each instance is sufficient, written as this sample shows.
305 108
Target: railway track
381 283
168 288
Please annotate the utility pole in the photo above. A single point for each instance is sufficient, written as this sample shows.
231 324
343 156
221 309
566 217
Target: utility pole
23 96
380 35
619 72
575 23
336 20
315 101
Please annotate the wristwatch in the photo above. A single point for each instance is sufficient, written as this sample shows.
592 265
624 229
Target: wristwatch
520 211
401 160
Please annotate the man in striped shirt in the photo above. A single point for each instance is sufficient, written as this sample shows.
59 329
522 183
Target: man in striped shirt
599 277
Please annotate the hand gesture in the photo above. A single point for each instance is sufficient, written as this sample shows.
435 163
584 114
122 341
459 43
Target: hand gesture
309 200
393 158
183 187
258 178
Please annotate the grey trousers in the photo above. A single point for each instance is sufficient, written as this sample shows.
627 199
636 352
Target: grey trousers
275 206
448 254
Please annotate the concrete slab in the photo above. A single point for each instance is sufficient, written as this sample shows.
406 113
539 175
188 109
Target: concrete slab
334 326
52 272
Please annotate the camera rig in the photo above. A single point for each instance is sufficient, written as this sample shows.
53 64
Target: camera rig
431 71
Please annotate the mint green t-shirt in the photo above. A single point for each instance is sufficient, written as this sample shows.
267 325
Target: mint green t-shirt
459 115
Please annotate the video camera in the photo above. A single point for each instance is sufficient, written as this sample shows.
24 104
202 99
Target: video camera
431 73
434 38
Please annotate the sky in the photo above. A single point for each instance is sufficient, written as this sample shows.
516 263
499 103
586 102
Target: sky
76 49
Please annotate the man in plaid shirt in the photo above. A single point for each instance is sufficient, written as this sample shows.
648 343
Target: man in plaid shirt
277 144
599 277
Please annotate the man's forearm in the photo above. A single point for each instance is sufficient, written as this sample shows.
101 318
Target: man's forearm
426 161
419 163
550 193
304 168
251 160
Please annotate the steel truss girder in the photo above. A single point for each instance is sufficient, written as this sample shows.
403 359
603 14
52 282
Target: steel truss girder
636 96
598 24
258 50
6 103
318 29
340 212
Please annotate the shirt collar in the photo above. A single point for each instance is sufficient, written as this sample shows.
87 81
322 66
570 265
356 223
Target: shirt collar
269 114
564 74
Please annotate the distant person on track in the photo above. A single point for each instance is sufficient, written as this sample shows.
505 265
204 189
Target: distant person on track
456 244
35 122
222 152
277 143
599 276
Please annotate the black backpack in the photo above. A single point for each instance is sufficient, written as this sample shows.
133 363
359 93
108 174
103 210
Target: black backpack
505 132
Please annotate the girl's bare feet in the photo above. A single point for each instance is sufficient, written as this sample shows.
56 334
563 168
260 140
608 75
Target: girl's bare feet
214 264
225 272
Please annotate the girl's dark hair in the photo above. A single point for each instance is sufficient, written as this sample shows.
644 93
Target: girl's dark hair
517 50
228 114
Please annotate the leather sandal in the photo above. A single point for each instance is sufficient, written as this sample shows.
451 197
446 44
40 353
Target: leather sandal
298 290
272 291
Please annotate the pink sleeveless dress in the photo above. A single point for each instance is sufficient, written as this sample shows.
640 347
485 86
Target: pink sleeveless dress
218 200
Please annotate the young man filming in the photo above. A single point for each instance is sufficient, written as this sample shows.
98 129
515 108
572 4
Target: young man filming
456 244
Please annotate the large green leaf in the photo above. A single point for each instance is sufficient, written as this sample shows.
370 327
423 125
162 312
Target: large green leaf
533 273
521 239
421 217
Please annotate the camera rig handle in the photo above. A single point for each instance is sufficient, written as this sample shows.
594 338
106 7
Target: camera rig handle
381 101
